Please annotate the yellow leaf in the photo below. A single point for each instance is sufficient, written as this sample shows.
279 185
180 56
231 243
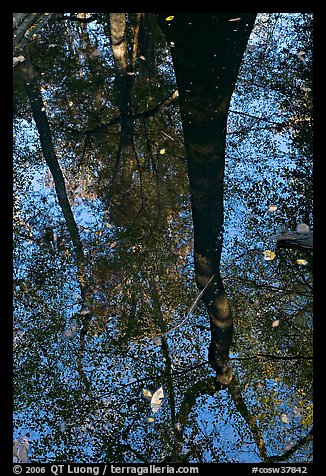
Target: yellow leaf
150 419
272 208
169 18
162 151
235 19
303 262
147 393
269 255
276 323
285 418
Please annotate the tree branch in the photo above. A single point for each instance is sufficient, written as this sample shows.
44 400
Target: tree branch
299 444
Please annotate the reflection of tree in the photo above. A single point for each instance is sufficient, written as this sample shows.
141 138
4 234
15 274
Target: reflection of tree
205 95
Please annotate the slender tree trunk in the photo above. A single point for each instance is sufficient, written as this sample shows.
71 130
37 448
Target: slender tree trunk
124 79
147 36
207 51
164 344
43 127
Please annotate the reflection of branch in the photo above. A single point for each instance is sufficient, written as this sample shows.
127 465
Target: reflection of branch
145 114
127 447
25 27
249 418
274 357
303 441
262 285
255 117
192 307
202 387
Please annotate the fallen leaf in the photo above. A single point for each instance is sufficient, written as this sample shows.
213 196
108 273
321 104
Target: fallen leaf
296 411
269 255
97 53
178 426
169 18
272 208
276 323
303 262
251 48
157 400
18 59
302 228
147 393
285 418
162 151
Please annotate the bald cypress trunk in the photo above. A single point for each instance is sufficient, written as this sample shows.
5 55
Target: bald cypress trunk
207 51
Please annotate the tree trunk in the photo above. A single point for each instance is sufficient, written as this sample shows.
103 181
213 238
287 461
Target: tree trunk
123 80
43 127
207 51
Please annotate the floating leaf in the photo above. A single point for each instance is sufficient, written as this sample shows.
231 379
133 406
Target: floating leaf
23 454
150 419
147 393
113 245
276 323
169 18
97 53
302 228
251 48
272 208
296 411
303 262
162 151
269 255
285 418
18 59
234 19
157 400
178 426
71 332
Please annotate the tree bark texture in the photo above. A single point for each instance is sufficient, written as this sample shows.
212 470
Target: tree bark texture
207 50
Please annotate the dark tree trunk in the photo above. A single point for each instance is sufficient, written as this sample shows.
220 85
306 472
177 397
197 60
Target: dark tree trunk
123 79
207 51
40 117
